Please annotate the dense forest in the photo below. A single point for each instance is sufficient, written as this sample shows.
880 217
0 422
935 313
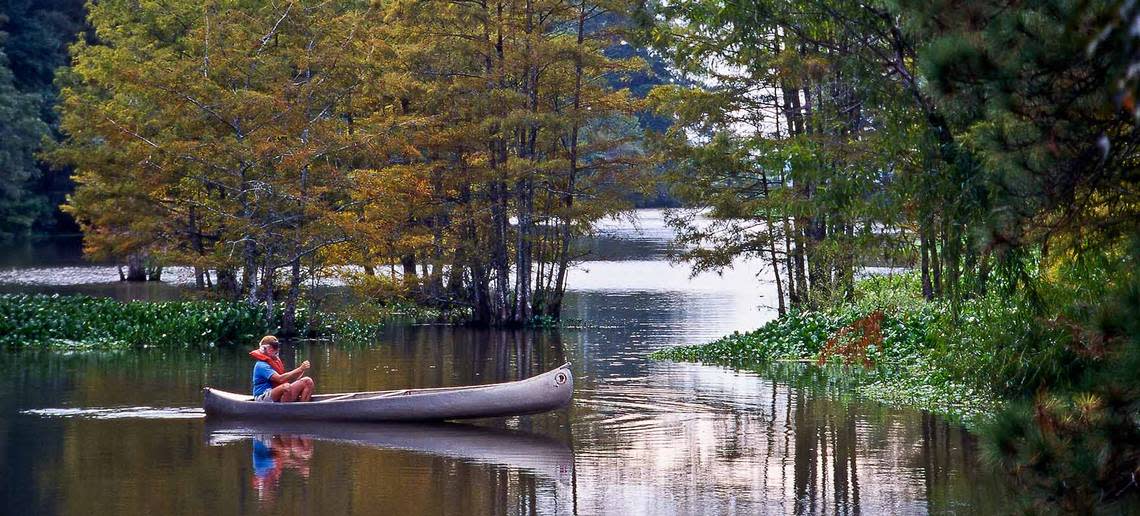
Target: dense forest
34 37
393 154
263 144
993 138
34 41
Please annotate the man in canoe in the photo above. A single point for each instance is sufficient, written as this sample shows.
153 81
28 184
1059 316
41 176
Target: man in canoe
270 381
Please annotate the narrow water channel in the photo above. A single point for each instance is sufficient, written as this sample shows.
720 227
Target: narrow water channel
123 433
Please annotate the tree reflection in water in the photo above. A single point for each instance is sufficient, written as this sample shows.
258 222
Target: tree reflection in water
272 455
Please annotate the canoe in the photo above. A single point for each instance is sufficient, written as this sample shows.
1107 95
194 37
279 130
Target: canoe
541 393
514 449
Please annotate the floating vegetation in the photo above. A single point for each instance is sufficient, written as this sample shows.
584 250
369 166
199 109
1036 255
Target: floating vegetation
86 323
81 323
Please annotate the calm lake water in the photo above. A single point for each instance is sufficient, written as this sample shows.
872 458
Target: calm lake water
123 433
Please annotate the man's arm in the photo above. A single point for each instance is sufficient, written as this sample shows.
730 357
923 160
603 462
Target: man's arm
291 376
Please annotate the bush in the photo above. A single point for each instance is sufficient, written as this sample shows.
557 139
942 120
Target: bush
1072 440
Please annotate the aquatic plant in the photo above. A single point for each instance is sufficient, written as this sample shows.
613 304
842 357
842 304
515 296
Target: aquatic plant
853 341
798 335
81 322
84 322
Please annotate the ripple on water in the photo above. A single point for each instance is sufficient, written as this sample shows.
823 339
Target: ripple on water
120 412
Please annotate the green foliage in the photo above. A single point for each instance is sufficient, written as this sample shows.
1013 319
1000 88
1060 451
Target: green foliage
925 359
20 137
1037 112
79 321
831 151
1067 428
1074 442
888 292
995 142
797 335
38 33
249 137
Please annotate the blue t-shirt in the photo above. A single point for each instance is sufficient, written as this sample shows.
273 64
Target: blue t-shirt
261 373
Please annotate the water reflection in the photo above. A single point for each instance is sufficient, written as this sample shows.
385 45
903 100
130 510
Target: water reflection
272 456
534 453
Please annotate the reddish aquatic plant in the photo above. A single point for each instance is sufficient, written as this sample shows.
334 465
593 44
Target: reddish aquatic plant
851 341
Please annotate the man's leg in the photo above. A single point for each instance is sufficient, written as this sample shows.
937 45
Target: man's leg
301 390
283 393
307 387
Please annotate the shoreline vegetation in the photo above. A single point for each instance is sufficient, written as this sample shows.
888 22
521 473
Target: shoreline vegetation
1045 376
79 323
887 345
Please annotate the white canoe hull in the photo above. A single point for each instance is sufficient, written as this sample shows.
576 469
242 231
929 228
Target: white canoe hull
542 393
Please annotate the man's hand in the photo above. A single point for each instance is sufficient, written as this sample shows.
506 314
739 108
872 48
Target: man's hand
305 365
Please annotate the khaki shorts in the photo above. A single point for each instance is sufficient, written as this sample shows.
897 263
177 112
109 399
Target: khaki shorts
266 395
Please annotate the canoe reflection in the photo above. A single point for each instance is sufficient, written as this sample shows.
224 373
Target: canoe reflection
514 449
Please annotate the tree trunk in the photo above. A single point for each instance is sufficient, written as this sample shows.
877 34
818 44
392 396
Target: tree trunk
500 259
249 247
289 318
802 289
228 284
771 231
936 260
199 249
249 272
267 281
500 263
522 312
953 255
924 254
793 292
408 264
817 265
136 270
847 267
554 305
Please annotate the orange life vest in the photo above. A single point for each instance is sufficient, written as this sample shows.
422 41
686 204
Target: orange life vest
274 362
